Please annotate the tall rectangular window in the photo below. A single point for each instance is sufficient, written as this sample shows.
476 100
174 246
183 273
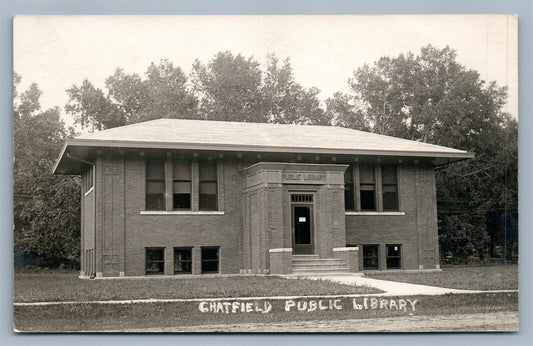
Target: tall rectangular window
209 260
370 256
155 185
182 260
367 185
349 196
155 261
181 185
208 185
394 256
389 187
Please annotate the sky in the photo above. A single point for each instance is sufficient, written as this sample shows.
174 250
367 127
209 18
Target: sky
57 52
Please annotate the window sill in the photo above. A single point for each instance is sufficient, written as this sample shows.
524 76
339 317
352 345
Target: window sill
376 213
180 212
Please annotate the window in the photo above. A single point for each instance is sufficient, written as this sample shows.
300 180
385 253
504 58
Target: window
208 185
181 185
370 256
155 185
302 198
209 260
389 188
89 179
170 184
367 187
394 259
155 261
182 261
349 196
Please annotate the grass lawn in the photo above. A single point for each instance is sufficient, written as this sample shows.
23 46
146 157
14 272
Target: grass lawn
68 287
94 317
494 277
109 317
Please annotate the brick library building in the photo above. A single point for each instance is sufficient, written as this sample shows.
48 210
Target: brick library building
192 197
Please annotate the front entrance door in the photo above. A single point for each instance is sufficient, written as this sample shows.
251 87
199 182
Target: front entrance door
302 230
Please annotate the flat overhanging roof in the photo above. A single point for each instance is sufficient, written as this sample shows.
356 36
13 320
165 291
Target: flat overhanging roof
203 135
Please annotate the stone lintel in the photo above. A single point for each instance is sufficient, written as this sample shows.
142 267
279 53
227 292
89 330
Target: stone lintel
283 249
345 249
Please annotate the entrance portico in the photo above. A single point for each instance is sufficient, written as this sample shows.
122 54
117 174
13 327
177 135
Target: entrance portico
291 209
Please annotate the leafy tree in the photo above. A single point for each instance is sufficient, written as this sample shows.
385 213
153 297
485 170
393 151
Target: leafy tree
432 98
501 176
130 99
341 109
287 102
164 93
91 108
46 207
229 88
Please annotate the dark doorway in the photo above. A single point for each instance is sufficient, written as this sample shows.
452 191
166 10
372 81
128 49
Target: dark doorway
302 225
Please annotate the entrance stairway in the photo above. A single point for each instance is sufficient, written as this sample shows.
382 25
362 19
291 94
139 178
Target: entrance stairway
312 264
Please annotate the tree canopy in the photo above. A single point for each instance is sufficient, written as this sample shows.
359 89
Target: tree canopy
228 88
130 99
287 102
46 207
432 98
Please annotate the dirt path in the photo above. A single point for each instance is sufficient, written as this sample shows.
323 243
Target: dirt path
497 321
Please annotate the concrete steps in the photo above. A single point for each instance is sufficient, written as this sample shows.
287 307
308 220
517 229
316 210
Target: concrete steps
312 264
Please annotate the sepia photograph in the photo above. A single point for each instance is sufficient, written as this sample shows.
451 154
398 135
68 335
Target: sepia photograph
265 173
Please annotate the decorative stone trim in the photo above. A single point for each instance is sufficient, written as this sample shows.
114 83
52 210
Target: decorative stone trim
254 188
283 249
344 249
180 212
374 213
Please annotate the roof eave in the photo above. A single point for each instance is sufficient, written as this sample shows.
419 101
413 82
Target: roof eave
450 157
60 157
262 148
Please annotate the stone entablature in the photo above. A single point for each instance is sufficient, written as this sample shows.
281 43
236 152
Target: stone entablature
293 173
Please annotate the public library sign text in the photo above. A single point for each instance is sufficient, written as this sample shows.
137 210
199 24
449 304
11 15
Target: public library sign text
304 178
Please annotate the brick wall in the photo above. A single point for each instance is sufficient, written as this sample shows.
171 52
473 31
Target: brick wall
416 231
123 232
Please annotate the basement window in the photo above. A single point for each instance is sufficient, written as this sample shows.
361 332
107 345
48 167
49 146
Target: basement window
394 259
183 260
210 260
371 257
155 261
